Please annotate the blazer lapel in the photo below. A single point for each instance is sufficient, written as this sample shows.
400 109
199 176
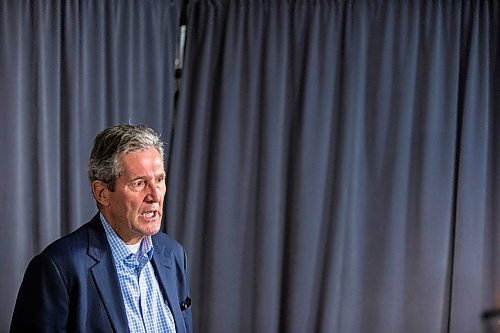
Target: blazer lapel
105 277
166 278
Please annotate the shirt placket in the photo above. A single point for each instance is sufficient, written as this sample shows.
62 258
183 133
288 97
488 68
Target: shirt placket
142 261
135 264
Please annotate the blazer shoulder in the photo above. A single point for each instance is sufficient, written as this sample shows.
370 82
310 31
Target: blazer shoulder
74 243
167 243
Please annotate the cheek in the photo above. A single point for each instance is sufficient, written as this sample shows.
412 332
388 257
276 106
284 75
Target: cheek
134 206
130 205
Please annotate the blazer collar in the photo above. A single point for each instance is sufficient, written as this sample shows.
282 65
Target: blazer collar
164 266
105 276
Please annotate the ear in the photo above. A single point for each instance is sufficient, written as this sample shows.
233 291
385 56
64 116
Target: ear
101 193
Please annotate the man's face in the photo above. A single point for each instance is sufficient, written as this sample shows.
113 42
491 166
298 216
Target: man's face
136 205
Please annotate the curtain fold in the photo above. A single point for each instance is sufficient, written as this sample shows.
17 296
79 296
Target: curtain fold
333 165
68 69
475 278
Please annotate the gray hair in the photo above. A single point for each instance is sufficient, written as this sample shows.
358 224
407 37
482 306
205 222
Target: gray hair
114 142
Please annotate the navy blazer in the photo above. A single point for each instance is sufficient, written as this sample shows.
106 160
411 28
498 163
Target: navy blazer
72 286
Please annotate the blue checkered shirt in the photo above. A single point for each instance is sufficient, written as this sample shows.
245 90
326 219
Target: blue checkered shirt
144 304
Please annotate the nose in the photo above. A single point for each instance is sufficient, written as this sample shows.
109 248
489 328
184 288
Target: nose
155 193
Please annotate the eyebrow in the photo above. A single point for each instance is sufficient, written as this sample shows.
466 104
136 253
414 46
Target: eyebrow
163 173
139 177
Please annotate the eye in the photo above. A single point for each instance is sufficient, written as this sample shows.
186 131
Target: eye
160 179
138 184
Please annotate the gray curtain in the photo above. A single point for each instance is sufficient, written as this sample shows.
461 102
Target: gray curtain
67 70
335 165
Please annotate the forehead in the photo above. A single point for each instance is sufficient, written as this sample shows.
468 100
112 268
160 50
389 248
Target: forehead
141 162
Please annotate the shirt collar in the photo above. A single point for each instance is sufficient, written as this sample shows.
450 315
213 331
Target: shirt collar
118 248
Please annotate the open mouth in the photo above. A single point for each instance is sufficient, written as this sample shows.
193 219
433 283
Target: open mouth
149 214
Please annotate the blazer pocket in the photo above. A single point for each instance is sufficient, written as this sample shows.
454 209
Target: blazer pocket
185 304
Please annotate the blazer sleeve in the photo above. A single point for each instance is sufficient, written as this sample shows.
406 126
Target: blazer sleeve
42 303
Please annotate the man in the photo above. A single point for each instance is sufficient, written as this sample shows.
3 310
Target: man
117 272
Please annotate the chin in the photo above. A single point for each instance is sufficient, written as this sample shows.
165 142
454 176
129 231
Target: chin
152 230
